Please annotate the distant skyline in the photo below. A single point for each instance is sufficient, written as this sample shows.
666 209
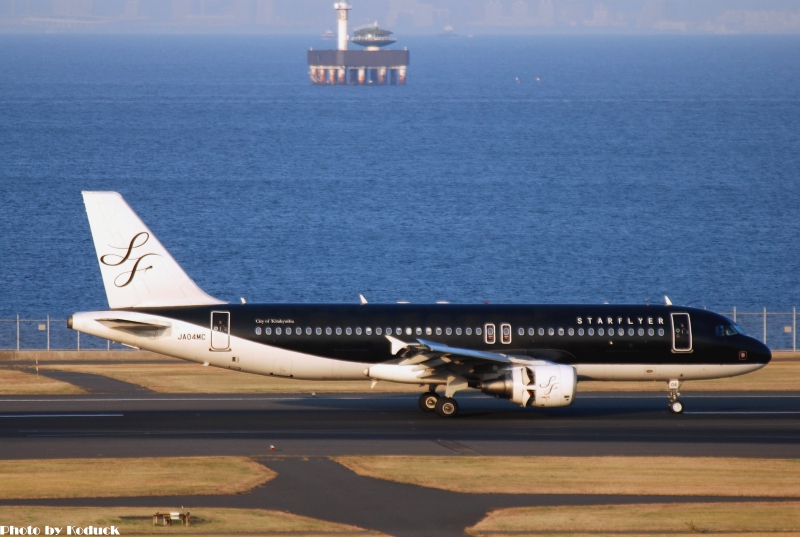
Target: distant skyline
466 17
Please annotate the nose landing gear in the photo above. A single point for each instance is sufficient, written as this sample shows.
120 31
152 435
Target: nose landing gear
675 404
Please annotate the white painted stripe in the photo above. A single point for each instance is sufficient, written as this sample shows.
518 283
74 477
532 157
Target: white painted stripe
767 412
61 415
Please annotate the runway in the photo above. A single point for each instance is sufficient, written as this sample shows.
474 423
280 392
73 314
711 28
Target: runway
136 422
119 420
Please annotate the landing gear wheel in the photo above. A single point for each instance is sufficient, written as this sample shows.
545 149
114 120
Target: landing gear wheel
676 406
428 400
446 407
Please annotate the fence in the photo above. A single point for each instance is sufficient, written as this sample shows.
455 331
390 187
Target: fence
48 334
777 329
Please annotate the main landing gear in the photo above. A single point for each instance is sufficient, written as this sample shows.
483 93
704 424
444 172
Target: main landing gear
430 401
675 404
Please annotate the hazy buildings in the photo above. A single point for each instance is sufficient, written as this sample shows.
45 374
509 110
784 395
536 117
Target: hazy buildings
420 16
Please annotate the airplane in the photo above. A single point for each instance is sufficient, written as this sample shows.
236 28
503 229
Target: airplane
533 355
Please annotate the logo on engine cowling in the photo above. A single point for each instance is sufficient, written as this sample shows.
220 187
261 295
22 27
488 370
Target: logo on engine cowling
550 385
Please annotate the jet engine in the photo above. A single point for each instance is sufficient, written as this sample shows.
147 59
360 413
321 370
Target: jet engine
538 385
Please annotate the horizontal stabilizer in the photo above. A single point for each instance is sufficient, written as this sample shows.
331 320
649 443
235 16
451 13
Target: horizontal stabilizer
132 326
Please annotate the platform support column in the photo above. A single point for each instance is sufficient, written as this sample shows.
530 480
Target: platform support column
362 75
342 75
382 75
401 76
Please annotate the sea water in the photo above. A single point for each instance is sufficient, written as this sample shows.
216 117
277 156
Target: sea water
537 169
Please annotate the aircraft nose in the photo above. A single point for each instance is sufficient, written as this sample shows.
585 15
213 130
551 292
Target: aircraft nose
758 352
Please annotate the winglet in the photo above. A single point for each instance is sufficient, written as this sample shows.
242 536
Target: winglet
667 301
362 299
397 345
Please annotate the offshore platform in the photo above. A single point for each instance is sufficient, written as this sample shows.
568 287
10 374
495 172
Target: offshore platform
373 65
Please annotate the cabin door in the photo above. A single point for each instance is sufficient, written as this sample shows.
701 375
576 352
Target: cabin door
681 332
220 330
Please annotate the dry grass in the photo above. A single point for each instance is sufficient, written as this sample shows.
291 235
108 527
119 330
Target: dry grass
137 521
777 376
186 377
194 378
683 476
682 519
168 476
16 382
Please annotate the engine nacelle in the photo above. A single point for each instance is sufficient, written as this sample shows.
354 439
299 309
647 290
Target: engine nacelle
537 385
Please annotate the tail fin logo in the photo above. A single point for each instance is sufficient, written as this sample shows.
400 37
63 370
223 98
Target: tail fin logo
124 279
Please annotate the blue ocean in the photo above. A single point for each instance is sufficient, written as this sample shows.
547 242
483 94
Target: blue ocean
545 169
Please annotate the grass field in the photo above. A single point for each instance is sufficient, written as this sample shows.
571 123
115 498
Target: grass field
194 378
777 376
168 476
683 476
739 518
16 382
133 521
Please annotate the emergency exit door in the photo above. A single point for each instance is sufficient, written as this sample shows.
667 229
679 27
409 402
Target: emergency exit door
220 330
681 332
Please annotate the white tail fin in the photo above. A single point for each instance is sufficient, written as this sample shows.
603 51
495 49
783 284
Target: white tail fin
137 270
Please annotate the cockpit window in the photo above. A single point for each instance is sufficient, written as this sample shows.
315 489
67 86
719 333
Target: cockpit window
724 330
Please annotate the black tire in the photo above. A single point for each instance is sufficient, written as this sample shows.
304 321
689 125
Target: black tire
676 406
446 407
428 400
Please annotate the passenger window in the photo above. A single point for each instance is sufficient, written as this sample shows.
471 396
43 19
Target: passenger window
571 331
377 331
591 332
448 331
438 331
630 331
388 331
278 331
560 331
478 331
580 331
338 331
641 331
651 332
409 331
258 330
660 331
551 332
600 332
419 331
318 331
268 331
328 330
521 331
468 331
348 331
368 330
541 331
428 331
530 331
358 330
458 331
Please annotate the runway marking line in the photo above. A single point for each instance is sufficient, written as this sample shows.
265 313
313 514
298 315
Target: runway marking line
61 415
